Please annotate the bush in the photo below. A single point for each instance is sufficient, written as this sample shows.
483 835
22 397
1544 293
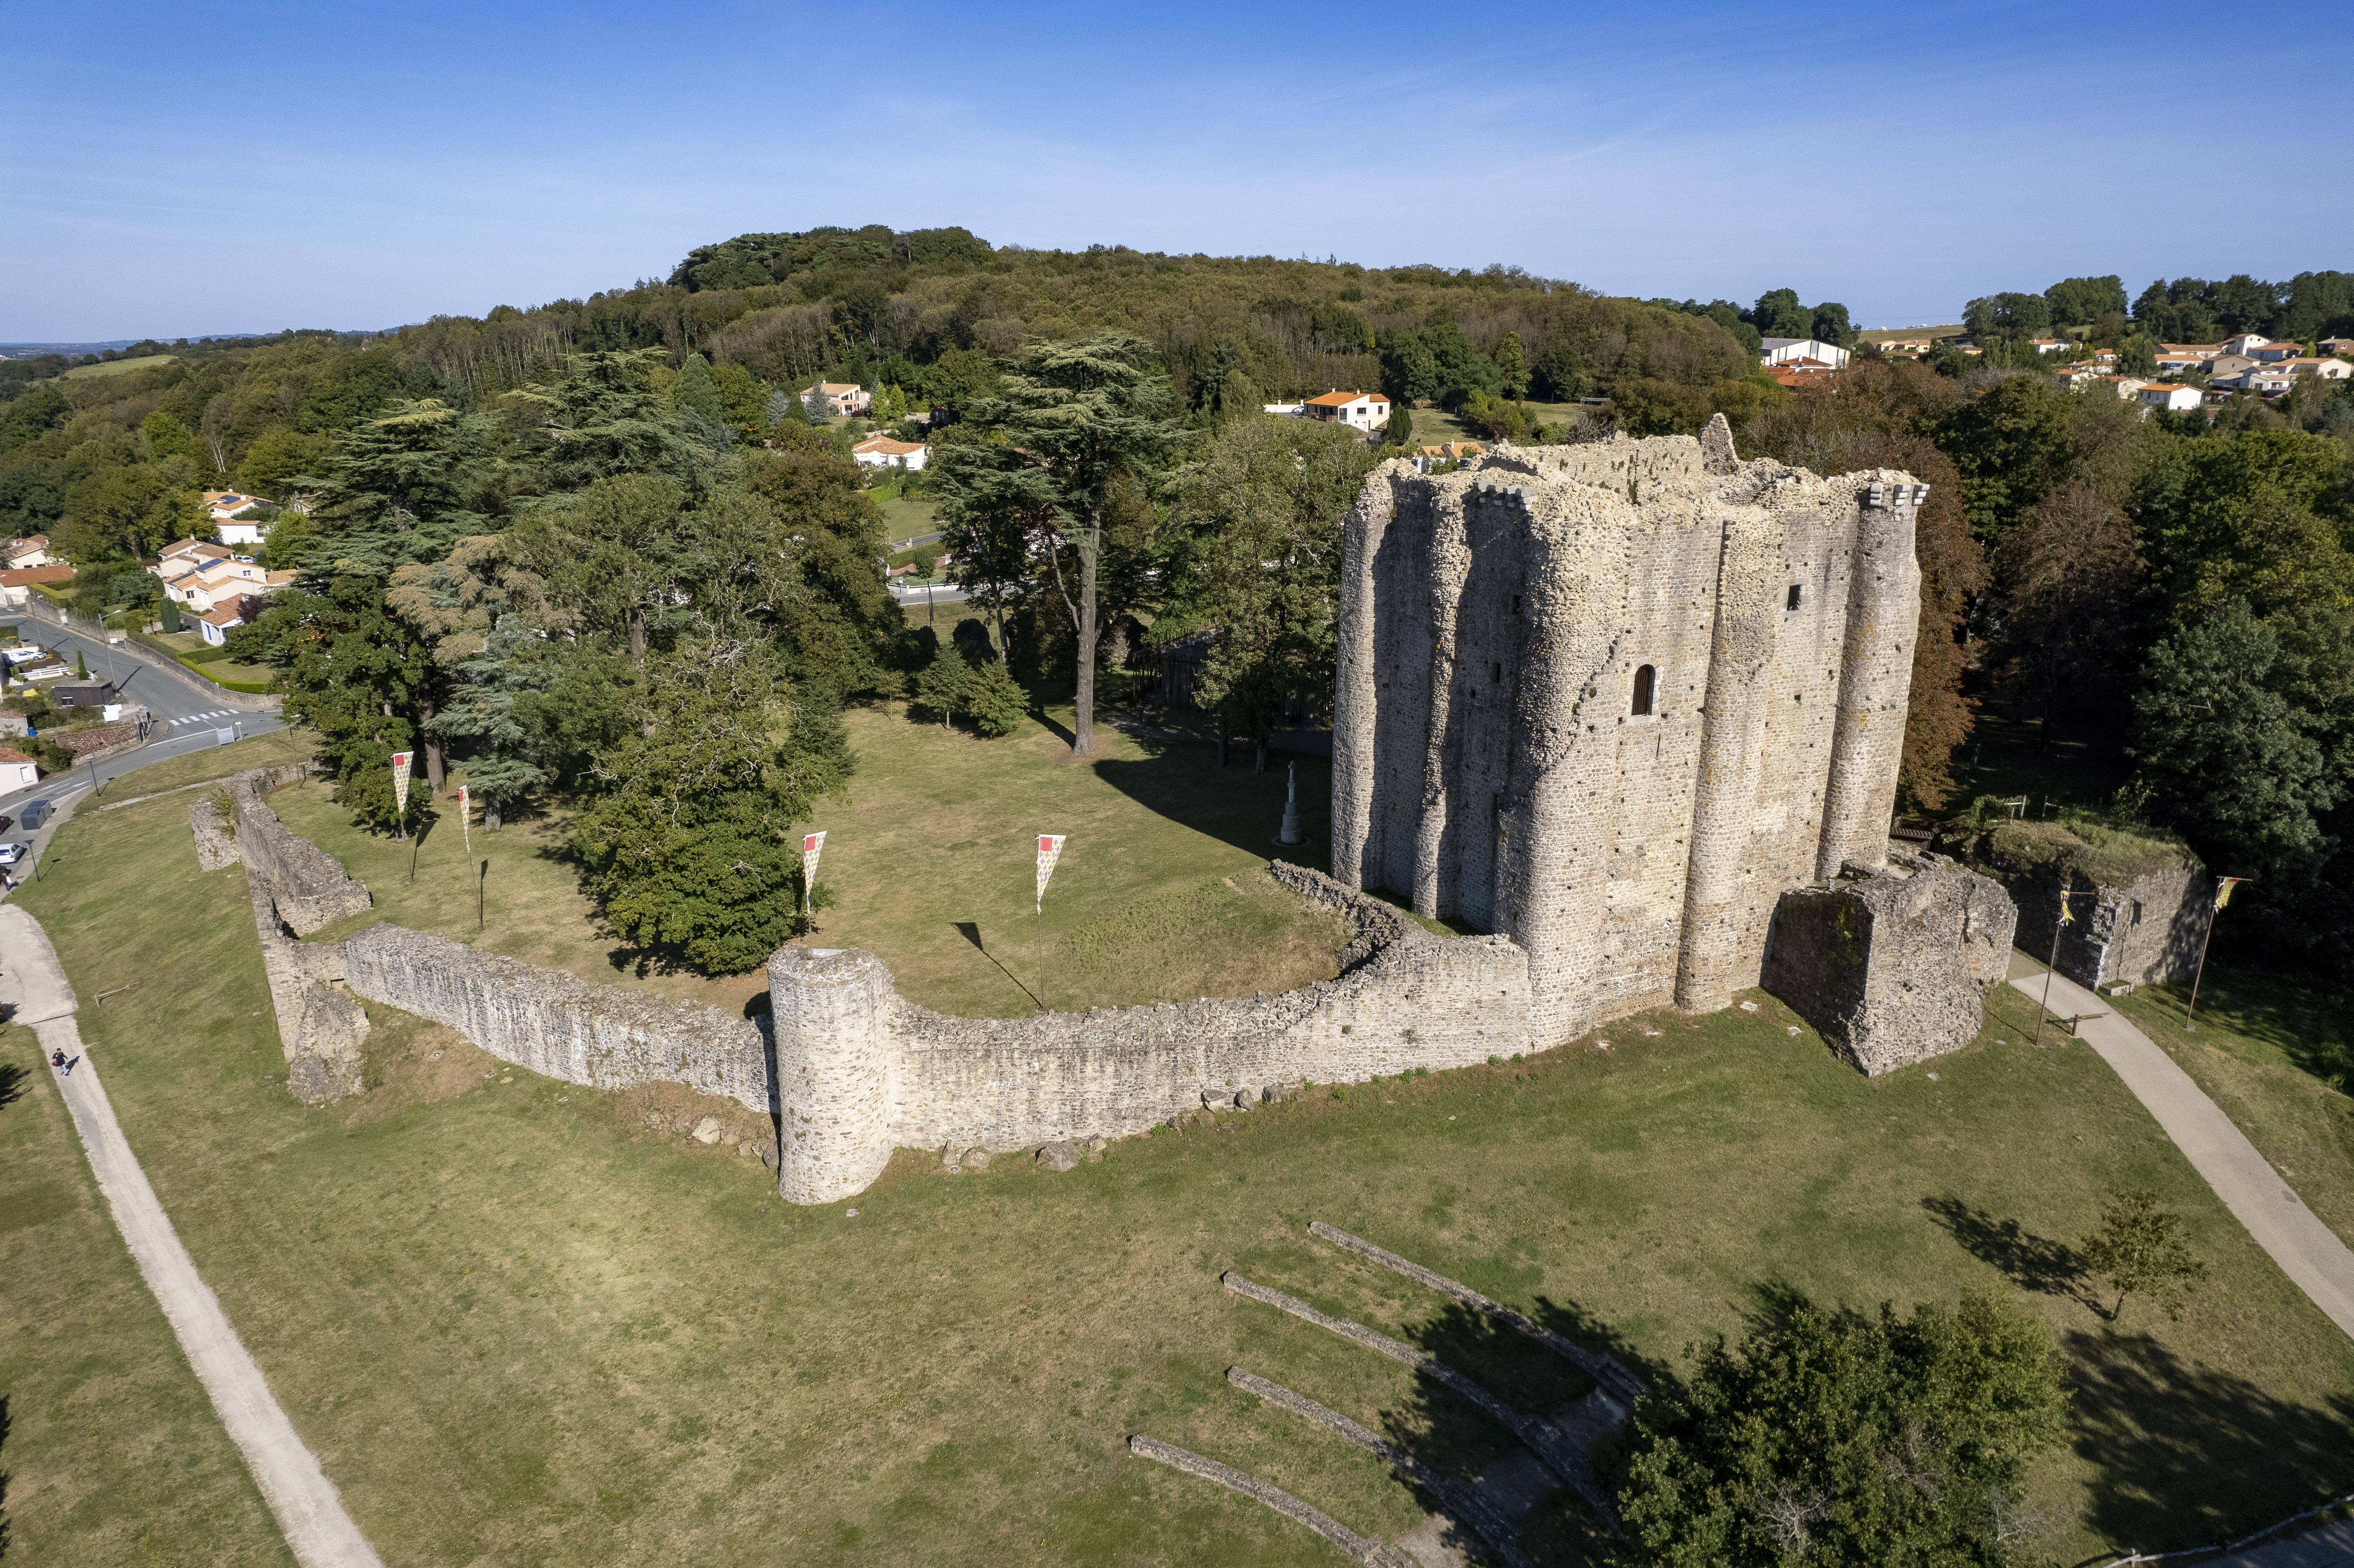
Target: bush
996 704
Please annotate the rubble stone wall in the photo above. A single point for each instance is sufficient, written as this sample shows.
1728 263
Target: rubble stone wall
307 885
1894 968
861 1069
2146 931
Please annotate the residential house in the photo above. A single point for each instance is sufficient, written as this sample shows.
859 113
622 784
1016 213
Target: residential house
213 581
223 505
2327 369
2224 365
1779 350
2049 344
17 771
2275 352
2247 342
1358 411
16 586
228 610
842 398
2082 372
2176 357
91 693
2174 394
24 552
187 555
2106 359
882 452
2325 347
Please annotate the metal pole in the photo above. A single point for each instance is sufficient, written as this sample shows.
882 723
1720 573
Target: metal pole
2212 910
1041 956
480 883
2057 927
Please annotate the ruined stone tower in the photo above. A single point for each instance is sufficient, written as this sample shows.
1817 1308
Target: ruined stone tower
1613 700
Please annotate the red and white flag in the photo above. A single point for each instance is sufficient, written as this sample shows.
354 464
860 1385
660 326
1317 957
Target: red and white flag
812 845
400 760
1050 850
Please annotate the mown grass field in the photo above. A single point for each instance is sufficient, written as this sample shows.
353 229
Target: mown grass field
520 1326
111 1450
2278 1057
115 366
1160 893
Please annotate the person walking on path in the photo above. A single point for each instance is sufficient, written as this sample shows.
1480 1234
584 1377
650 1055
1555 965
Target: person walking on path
308 1510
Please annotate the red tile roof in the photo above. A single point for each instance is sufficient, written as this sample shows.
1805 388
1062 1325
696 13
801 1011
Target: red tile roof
55 572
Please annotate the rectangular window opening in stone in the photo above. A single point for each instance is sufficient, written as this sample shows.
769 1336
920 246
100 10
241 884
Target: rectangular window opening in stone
1797 591
1645 679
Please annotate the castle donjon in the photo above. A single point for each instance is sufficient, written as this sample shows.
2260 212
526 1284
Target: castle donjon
1613 700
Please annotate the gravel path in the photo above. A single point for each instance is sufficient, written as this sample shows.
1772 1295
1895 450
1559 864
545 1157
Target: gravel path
309 1512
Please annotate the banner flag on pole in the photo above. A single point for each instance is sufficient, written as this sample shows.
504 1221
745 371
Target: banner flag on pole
400 784
465 818
1050 850
2223 892
812 845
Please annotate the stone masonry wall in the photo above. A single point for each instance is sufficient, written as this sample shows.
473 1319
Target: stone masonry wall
862 1070
1893 968
557 1024
306 884
2146 931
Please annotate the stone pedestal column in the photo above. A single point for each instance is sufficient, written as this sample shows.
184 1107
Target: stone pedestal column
834 1062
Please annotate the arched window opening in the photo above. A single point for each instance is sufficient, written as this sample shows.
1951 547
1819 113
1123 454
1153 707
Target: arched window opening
1645 679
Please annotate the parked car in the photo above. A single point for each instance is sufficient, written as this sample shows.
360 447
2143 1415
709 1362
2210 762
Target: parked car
6 822
11 854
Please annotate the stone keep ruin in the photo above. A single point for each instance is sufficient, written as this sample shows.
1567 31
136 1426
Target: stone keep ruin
1632 708
1614 701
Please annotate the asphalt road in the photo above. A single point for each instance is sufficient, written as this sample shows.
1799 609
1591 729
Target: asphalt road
184 720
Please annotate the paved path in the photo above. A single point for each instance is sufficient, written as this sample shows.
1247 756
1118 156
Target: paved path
2308 1251
2331 1546
298 1492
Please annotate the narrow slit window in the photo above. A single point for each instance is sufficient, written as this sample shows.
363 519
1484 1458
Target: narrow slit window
1796 592
1645 679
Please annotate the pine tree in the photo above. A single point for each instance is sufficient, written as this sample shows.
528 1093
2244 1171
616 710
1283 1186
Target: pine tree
1512 360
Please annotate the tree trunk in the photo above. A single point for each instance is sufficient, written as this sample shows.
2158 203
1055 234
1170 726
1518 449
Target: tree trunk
1258 759
1083 725
491 818
637 636
432 749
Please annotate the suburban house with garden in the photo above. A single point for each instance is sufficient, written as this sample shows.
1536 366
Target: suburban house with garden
1358 411
883 451
17 770
841 398
224 506
16 585
32 552
218 589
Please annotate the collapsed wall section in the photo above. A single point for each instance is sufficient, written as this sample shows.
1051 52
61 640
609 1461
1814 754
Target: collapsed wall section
1894 968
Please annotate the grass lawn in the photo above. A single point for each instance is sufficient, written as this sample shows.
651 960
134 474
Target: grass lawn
2006 757
115 366
903 519
933 859
112 1452
2267 1049
520 1326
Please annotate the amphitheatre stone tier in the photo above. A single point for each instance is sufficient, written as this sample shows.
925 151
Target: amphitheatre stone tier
1614 700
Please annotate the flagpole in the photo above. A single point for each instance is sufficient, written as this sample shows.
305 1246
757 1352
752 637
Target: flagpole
2222 891
2058 925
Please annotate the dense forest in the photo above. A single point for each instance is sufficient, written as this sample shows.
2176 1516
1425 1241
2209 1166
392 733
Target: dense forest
599 547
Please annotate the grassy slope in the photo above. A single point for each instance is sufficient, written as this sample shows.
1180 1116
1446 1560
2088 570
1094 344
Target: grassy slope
113 1454
518 1326
2264 1050
115 367
1158 875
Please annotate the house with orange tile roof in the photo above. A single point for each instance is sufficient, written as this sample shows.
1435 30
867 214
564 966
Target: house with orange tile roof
1358 411
841 397
23 553
16 769
16 586
883 451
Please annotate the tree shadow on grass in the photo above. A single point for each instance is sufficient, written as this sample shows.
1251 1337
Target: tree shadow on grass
12 1081
2183 1455
2031 1262
1182 780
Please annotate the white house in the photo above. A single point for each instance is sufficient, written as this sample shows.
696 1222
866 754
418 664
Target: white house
24 552
2327 369
232 610
2274 352
841 397
1777 350
1358 411
2171 395
223 505
2247 342
16 769
882 452
2049 344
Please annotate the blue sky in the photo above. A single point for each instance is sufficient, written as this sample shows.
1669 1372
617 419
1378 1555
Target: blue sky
195 168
